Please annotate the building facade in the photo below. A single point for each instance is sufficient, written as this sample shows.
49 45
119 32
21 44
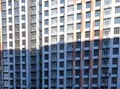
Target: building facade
20 33
80 44
61 44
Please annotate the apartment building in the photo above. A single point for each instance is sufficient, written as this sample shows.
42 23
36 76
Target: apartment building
80 44
20 34
61 44
1 59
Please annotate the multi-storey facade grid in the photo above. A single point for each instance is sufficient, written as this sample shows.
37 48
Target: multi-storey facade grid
20 32
61 44
85 24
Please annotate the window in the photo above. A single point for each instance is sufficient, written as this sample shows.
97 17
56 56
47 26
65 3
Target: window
115 41
61 46
24 82
46 22
10 36
9 3
33 10
10 20
107 11
11 44
4 6
79 16
107 22
115 51
87 25
54 30
23 17
46 39
53 39
16 3
10 51
61 64
96 52
46 73
33 27
62 19
46 56
96 42
46 65
97 13
61 38
87 34
95 71
86 62
16 20
23 42
53 56
69 1
117 9
105 52
46 48
117 1
61 73
77 53
96 33
10 28
54 21
70 28
115 61
61 81
106 42
70 37
70 18
116 30
69 46
9 11
117 20
62 1
46 13
114 80
88 15
87 43
106 32
77 72
107 2
23 9
78 26
4 22
54 2
4 13
62 10
61 28
46 4
23 25
23 34
78 62
54 11
46 31
88 4
70 9
87 53
61 55
16 11
33 2
97 23
114 70
23 1
98 3
78 45
79 6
